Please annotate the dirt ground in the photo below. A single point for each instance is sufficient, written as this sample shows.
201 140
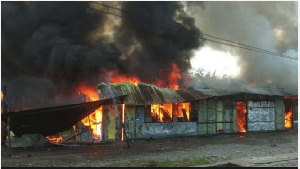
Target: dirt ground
218 148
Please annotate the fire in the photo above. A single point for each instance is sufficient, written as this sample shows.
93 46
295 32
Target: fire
173 78
2 95
289 119
116 77
123 120
94 120
170 81
55 138
92 94
167 112
186 107
241 116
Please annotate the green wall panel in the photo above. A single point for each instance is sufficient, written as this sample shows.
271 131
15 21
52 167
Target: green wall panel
211 128
202 129
279 114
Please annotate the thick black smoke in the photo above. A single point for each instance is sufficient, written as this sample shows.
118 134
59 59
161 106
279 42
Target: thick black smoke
54 47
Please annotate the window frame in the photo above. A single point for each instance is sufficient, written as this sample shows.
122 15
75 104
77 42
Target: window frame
172 117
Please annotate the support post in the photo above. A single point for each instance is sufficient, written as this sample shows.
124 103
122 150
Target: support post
127 141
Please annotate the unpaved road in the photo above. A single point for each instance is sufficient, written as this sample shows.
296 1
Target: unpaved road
221 147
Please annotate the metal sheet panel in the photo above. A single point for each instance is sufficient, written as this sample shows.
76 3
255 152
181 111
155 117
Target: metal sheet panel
261 126
260 114
260 117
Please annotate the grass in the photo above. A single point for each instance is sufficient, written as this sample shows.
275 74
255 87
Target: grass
166 163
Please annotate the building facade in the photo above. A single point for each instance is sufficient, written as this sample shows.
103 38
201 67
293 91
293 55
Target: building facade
150 112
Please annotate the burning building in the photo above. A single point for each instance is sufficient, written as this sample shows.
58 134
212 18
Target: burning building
153 112
138 111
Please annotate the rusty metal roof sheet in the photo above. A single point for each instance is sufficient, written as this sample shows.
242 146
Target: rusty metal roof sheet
144 94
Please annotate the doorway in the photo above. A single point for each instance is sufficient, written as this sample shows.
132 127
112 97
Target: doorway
241 110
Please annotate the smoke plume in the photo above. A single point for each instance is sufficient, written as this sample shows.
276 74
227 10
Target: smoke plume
49 49
268 25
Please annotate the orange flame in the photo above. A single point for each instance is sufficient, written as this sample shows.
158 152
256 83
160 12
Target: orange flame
94 120
173 78
289 119
55 138
164 113
170 82
123 120
92 94
116 77
241 116
2 95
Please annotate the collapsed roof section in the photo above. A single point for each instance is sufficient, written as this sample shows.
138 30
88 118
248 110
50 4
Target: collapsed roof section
53 120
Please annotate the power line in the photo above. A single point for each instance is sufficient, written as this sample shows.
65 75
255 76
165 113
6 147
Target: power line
247 48
131 13
255 48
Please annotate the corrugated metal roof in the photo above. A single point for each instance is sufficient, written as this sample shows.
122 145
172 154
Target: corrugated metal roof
143 94
251 90
146 94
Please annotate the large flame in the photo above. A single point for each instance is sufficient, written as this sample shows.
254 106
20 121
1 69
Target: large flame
166 112
289 119
241 116
163 112
116 77
94 120
171 81
91 93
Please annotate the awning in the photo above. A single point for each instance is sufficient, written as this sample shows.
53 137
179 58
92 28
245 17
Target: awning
53 120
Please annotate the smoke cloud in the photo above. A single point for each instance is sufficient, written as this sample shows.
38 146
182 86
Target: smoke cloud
49 49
